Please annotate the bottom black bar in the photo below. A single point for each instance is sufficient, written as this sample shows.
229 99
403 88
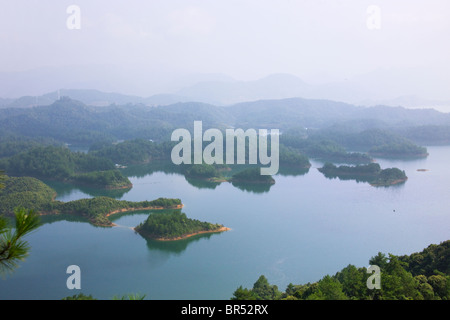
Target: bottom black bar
223 309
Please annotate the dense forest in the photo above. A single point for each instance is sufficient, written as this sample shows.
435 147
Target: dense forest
139 151
291 157
111 179
332 144
371 170
427 134
173 225
350 127
252 175
398 150
25 192
420 276
360 135
59 163
324 149
12 145
201 171
136 151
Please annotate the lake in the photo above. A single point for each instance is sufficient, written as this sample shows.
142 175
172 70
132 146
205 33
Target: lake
300 229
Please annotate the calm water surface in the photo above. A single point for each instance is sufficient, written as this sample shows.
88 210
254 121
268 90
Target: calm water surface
304 227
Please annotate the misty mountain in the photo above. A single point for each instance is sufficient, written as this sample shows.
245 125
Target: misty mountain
134 81
388 87
4 102
319 113
92 98
102 85
276 86
68 120
293 112
411 101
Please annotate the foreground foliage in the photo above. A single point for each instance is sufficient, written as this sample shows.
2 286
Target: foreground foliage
13 248
420 276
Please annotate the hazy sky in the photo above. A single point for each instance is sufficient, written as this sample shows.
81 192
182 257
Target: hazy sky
246 39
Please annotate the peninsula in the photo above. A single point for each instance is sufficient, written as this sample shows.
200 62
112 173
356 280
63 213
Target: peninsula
28 192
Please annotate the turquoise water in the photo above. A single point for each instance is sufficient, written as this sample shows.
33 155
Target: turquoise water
300 229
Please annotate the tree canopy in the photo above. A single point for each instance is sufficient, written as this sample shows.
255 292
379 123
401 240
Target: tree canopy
420 276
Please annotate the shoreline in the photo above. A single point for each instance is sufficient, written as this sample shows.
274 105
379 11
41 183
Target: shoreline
111 224
84 184
222 229
238 181
400 155
394 182
104 187
180 206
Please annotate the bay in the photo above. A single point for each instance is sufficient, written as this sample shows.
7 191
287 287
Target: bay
300 229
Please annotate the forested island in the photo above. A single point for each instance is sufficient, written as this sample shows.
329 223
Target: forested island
110 179
212 173
28 192
174 225
291 157
203 171
252 175
371 173
420 276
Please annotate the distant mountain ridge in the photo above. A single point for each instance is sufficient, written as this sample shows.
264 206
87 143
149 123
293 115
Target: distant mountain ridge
91 97
274 86
407 88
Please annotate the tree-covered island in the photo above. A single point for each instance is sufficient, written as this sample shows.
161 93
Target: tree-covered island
175 225
213 173
252 175
371 173
110 179
204 172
